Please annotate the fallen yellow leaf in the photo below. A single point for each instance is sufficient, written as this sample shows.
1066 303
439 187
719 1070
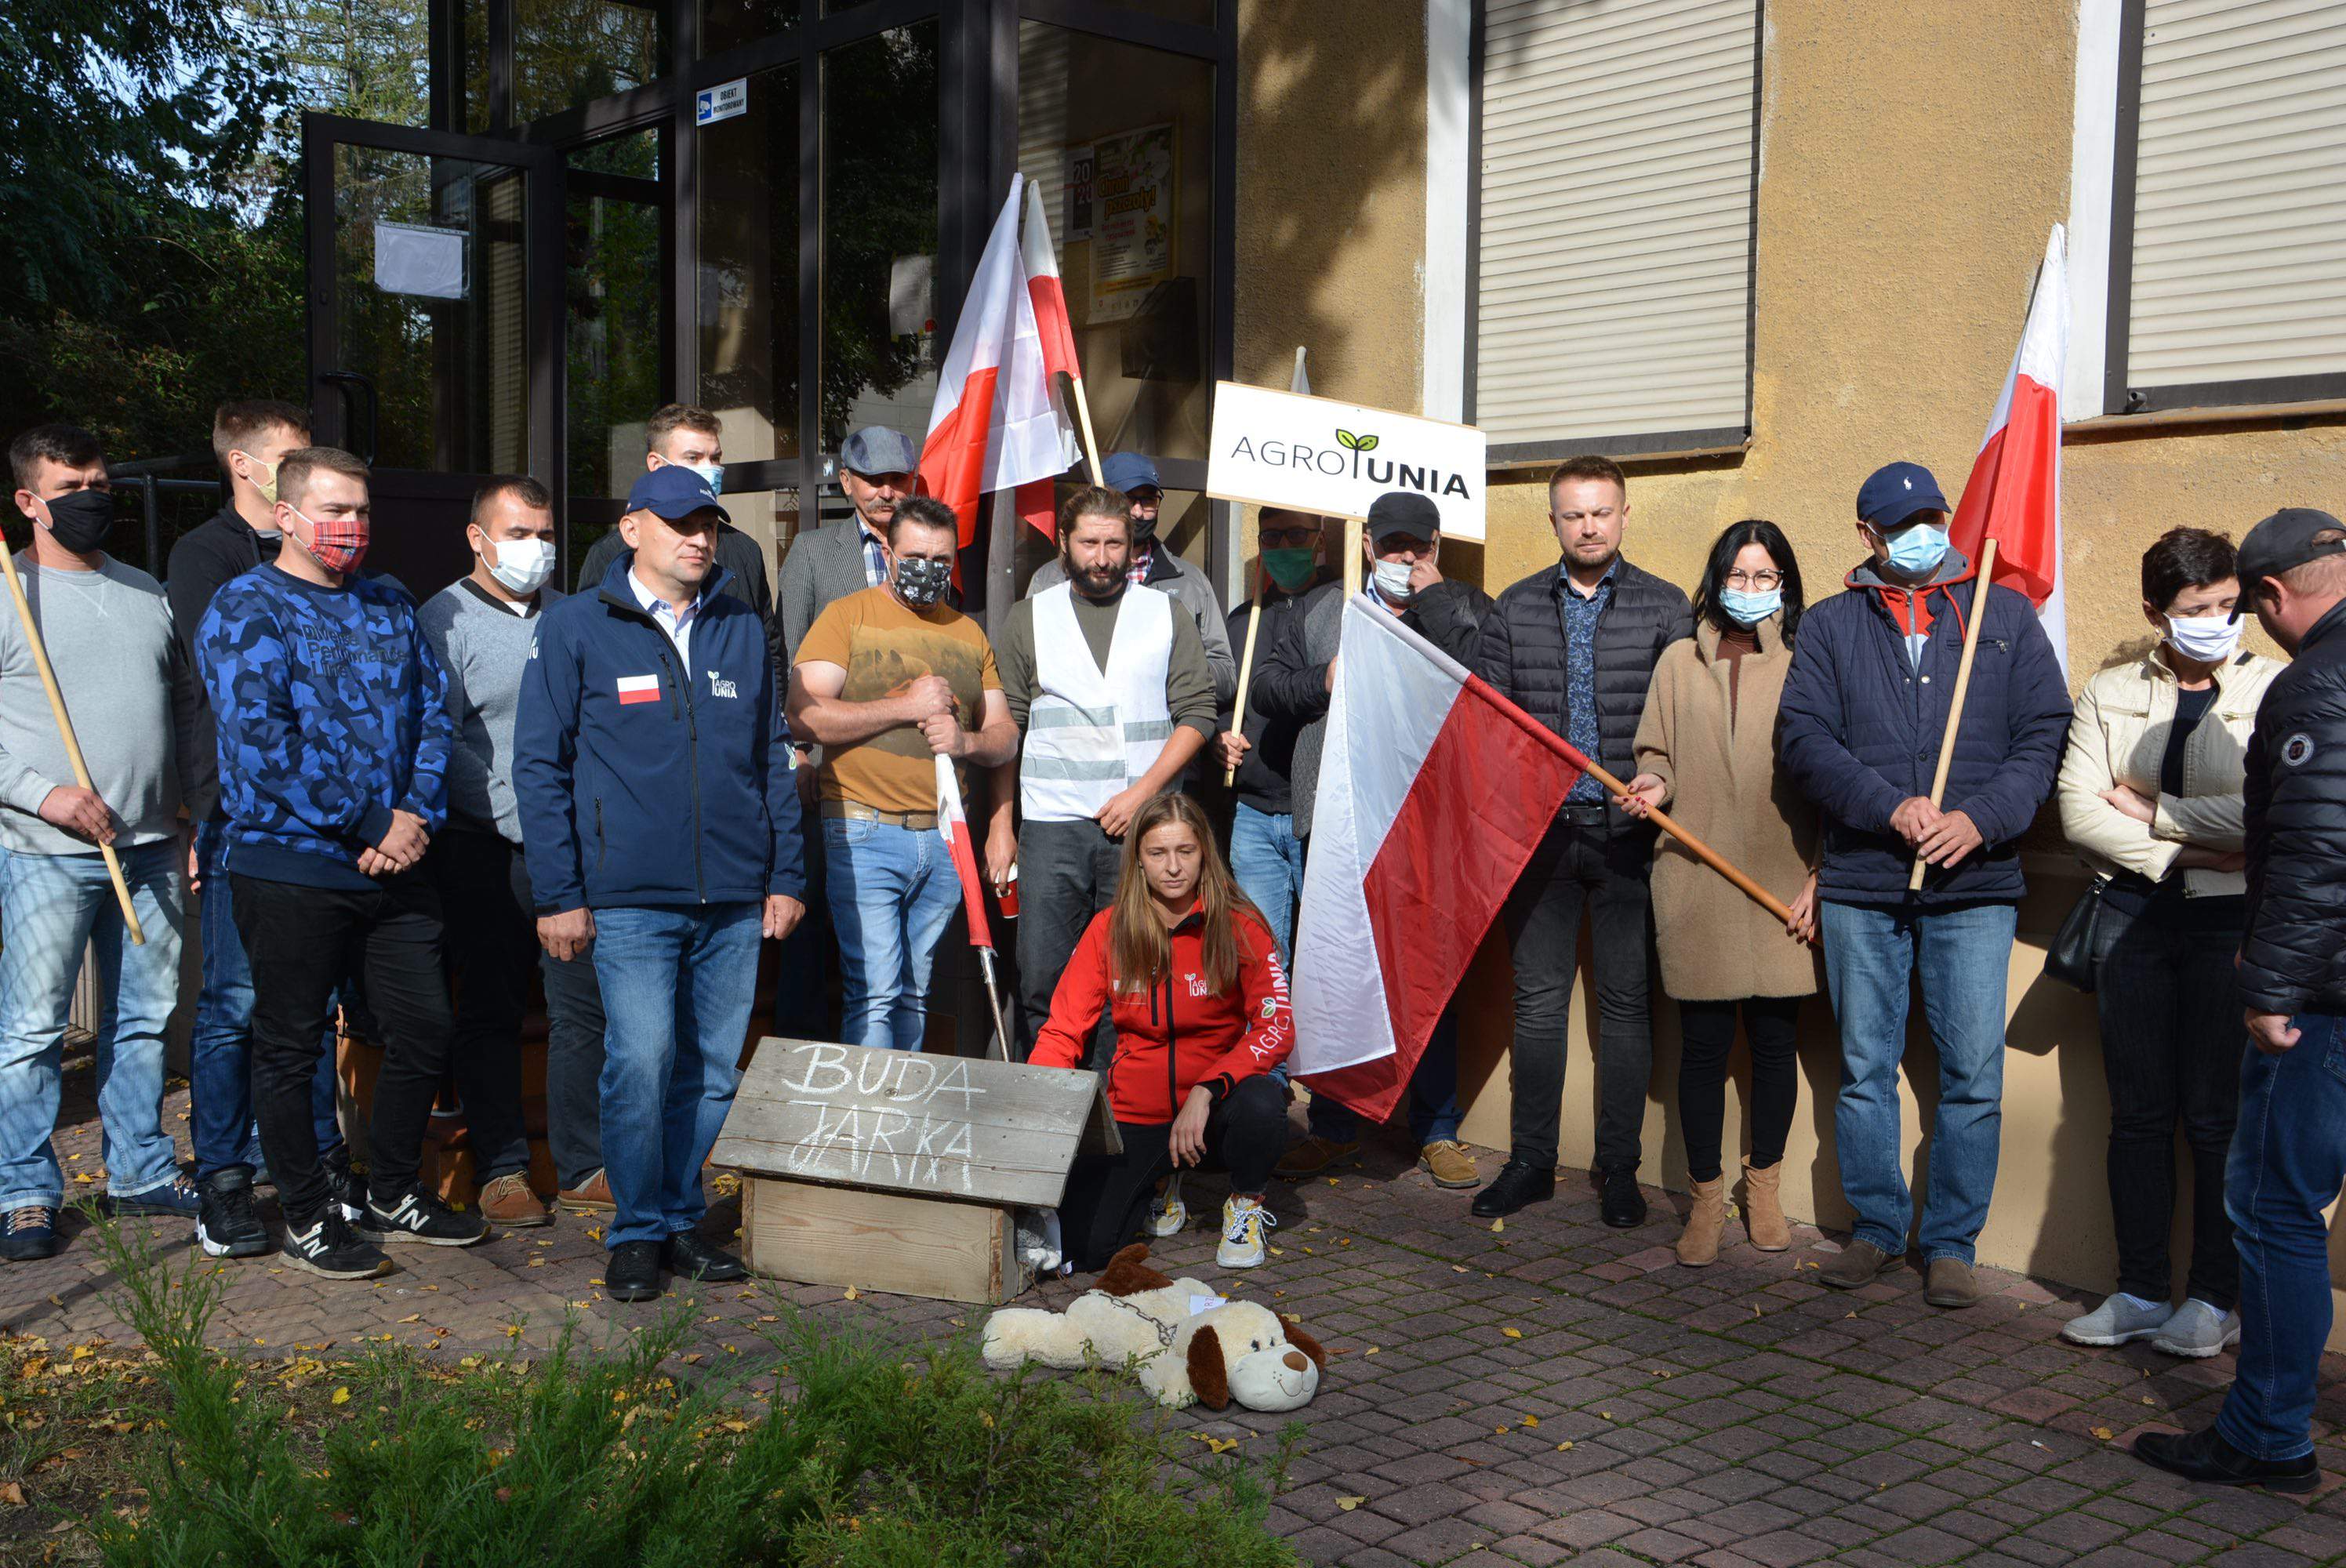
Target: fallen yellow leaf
1513 1333
1531 1421
2104 1433
1346 1504
1372 1349
412 1318
852 1293
341 1396
1499 1225
1564 1447
12 1494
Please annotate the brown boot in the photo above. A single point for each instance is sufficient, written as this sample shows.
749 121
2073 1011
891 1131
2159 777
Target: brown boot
1763 1208
1706 1223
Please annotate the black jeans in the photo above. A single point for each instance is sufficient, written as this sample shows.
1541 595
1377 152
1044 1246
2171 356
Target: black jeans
2172 1044
1066 874
1708 1029
301 941
1576 870
1246 1132
493 950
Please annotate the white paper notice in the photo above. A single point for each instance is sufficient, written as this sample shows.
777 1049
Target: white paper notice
1206 1303
414 258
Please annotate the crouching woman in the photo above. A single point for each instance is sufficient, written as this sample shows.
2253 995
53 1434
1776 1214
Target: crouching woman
1189 974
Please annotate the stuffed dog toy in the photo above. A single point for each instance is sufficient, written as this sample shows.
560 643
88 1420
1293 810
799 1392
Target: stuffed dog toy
1186 1343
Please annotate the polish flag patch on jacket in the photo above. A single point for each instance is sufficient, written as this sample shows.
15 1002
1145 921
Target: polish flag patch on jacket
639 688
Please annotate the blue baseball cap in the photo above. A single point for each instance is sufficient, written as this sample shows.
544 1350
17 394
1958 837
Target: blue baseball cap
1128 472
876 449
1896 491
672 492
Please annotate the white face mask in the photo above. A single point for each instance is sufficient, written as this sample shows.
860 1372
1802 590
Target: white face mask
523 565
2210 639
1392 580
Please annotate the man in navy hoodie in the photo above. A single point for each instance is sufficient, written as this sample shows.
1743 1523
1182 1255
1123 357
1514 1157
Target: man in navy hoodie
660 827
1859 729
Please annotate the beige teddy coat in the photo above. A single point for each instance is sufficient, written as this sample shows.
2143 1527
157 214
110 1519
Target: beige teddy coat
1721 783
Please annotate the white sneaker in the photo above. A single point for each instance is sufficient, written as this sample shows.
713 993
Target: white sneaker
1168 1214
1244 1219
2196 1330
2119 1319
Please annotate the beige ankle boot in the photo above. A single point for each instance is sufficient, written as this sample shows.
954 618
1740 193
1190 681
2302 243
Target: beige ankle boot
1706 1223
1763 1209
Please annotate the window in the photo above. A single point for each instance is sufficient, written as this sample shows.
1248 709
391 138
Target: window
1614 225
2228 255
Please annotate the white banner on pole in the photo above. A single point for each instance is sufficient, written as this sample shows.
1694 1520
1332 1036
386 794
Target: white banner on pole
1316 455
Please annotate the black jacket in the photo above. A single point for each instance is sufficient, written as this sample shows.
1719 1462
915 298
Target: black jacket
221 547
1264 779
2291 959
1523 654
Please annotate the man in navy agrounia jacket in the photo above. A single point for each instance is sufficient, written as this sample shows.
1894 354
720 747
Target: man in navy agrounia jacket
660 825
1864 714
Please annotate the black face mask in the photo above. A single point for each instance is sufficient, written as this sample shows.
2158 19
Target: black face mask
923 581
81 519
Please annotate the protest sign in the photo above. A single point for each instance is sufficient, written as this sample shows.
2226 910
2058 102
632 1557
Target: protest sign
1316 455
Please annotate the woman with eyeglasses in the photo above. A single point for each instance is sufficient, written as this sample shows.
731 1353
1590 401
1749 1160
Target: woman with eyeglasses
1706 752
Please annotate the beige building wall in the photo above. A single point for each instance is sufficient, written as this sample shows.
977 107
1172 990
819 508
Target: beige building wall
1901 217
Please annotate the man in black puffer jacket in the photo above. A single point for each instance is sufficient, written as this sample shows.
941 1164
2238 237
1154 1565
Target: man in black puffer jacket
1576 647
2289 1157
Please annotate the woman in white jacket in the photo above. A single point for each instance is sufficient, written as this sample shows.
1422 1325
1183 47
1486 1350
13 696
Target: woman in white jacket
2150 798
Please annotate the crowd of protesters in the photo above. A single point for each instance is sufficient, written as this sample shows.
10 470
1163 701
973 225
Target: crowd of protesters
415 819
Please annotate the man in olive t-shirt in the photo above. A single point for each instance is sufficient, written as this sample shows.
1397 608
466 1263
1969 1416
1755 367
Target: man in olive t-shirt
888 681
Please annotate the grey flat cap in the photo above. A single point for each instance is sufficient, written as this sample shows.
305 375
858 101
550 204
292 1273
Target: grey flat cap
876 449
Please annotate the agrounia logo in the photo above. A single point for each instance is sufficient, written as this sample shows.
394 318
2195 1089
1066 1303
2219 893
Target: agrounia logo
1350 459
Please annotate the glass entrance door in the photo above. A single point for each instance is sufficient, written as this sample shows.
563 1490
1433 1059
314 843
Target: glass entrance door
435 258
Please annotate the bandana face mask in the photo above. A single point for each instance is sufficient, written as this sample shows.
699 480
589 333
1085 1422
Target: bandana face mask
922 583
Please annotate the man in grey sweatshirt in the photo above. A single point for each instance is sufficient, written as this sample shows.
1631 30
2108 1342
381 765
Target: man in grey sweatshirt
482 627
128 686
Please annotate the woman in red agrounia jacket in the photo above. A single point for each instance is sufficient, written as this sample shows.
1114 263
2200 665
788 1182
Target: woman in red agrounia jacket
1190 977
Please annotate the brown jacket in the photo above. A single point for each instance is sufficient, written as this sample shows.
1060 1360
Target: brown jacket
1716 944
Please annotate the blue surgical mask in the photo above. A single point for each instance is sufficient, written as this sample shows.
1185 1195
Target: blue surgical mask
712 472
1917 551
1748 609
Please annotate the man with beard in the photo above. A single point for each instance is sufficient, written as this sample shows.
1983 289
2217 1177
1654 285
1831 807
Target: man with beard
1108 683
1153 565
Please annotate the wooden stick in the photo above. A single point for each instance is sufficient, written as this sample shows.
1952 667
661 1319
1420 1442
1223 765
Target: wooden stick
1963 689
1246 660
1091 441
65 728
1352 526
1700 850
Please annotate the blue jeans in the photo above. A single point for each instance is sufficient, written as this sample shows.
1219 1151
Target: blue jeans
1871 956
219 1044
892 893
1434 1114
2288 1161
1266 862
54 908
677 983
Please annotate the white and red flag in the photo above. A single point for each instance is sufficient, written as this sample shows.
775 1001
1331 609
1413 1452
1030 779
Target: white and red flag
1434 792
996 423
953 827
2013 495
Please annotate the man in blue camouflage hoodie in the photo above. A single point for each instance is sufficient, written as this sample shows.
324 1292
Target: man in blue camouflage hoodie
333 750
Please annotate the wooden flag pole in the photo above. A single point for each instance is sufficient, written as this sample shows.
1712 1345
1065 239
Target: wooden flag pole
1963 688
1700 850
1352 526
65 728
1246 660
1091 441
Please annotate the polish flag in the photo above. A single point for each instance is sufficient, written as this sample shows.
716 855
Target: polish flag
1434 792
639 688
2013 495
1042 288
952 826
996 423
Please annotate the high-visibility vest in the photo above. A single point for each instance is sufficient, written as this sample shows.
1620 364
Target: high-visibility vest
1091 734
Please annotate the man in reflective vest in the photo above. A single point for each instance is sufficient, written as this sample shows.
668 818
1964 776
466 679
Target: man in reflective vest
1113 695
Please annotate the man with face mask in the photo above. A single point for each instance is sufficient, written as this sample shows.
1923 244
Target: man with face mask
1153 565
333 756
1107 682
108 632
480 627
1864 715
887 680
878 470
1402 542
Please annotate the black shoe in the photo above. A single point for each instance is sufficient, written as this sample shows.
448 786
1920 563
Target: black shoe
633 1272
229 1224
28 1234
345 1186
325 1244
696 1259
421 1217
1619 1203
2204 1455
1516 1184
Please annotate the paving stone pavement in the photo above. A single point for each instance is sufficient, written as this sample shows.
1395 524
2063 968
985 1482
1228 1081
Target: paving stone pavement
1550 1392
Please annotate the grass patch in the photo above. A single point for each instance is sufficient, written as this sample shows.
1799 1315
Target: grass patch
175 1455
